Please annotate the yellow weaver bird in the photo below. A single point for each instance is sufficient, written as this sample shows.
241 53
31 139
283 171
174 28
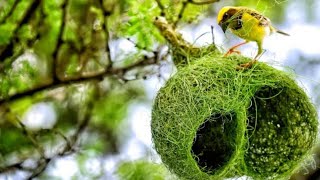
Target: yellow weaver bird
249 25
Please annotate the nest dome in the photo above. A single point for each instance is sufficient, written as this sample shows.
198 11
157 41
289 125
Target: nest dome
211 121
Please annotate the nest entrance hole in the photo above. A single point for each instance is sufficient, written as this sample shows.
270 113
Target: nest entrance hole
214 143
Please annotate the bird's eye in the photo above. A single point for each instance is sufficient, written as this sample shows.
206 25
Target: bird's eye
226 15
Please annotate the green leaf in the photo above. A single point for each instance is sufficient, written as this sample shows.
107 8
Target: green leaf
20 106
11 140
143 170
6 33
139 25
4 86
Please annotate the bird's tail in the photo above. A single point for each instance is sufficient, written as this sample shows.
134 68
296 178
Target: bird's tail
273 29
281 32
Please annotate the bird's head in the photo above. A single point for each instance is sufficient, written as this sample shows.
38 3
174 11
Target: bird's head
225 16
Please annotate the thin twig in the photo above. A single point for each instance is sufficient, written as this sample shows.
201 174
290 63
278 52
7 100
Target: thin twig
42 166
13 7
32 139
180 15
184 5
212 34
162 8
68 148
105 28
202 2
68 143
11 167
138 46
55 73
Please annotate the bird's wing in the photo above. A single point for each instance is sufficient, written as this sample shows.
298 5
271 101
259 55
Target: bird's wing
263 21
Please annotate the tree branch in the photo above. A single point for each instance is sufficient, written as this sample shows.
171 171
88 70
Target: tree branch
68 148
13 167
173 37
69 145
32 139
97 76
41 167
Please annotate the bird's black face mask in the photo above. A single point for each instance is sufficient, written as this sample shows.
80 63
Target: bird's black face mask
228 17
224 26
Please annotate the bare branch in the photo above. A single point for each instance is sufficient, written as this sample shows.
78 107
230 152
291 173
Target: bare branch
41 167
32 139
68 143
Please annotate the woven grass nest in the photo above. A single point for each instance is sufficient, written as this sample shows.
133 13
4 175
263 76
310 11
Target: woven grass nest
211 121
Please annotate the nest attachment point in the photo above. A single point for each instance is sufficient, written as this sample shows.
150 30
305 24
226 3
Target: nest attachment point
211 121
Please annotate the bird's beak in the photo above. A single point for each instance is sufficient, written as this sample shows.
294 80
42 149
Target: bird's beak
223 26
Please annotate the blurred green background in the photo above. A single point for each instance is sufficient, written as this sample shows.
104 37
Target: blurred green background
78 78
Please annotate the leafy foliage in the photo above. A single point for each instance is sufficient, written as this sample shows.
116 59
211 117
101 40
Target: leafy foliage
143 170
190 14
139 25
273 9
8 140
112 109
21 77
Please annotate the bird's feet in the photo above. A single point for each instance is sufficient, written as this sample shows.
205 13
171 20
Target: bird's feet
231 50
247 65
